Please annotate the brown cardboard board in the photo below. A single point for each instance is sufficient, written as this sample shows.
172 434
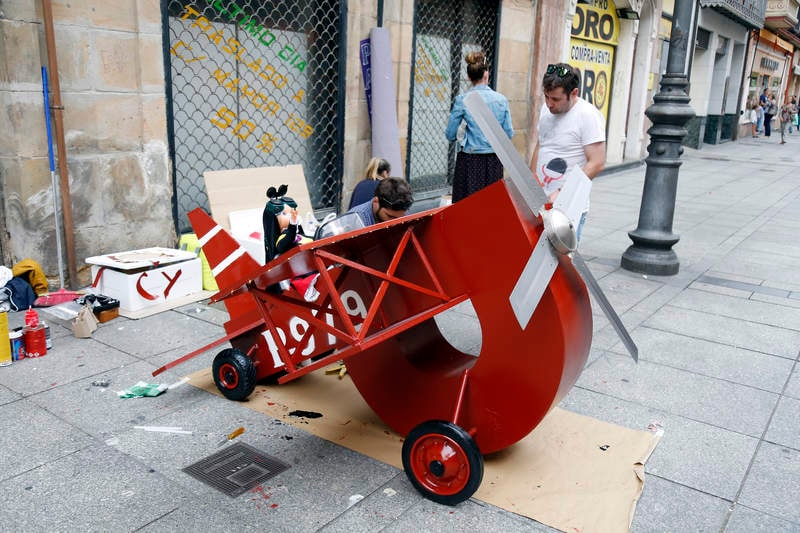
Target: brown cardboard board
558 475
246 188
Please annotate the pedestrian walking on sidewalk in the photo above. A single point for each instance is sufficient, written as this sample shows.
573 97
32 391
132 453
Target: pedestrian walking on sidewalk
760 118
752 116
770 111
785 118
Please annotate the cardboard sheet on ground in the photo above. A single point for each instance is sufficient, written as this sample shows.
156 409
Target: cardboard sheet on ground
558 475
246 188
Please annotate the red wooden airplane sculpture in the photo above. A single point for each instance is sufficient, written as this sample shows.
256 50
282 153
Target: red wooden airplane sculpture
380 289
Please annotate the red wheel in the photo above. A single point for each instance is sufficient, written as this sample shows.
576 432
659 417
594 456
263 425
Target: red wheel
234 374
443 462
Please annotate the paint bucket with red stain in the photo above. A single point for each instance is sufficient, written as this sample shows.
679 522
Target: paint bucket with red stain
35 340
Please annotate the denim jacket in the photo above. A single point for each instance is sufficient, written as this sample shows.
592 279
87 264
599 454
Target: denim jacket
474 141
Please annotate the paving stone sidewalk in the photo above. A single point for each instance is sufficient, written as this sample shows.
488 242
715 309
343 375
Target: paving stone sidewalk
718 372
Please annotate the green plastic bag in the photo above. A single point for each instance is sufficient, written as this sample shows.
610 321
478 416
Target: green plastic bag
143 389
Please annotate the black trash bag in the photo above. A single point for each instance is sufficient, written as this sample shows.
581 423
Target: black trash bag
98 302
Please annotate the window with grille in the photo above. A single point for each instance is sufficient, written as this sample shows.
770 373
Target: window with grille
444 32
252 84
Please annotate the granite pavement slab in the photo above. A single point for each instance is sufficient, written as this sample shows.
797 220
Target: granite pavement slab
155 334
668 507
682 393
725 330
784 429
793 386
746 520
70 359
86 491
99 411
6 394
712 359
33 437
771 485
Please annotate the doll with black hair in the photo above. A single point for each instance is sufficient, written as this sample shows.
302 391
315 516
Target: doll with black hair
282 232
281 224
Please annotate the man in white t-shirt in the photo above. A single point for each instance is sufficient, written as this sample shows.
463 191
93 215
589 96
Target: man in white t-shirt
571 131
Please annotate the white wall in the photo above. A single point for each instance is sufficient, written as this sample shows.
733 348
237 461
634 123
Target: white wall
709 71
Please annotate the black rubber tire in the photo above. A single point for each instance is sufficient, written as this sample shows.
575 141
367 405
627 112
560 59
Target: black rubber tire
234 374
450 483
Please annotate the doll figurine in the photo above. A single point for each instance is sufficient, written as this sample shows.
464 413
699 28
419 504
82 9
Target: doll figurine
282 232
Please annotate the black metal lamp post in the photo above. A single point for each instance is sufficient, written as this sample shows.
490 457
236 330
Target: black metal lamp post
651 251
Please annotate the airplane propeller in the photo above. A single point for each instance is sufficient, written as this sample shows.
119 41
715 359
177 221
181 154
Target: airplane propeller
560 225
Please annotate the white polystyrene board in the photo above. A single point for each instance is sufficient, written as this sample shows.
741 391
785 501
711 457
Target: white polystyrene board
143 258
254 247
246 221
147 288
246 188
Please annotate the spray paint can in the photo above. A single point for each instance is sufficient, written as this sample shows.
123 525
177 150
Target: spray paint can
48 342
17 345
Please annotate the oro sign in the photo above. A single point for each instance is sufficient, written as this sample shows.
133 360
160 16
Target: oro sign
595 34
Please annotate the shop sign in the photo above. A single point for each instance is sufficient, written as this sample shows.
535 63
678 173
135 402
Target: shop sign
594 60
596 21
767 63
595 33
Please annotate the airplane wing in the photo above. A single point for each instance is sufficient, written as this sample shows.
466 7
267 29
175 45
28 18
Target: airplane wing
234 268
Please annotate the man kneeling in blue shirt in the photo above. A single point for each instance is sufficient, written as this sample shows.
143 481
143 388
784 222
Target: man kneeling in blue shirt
392 200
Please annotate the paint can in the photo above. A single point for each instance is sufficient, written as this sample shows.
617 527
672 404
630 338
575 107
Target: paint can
17 345
35 341
5 343
48 343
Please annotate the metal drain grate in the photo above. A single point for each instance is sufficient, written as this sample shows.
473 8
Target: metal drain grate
236 469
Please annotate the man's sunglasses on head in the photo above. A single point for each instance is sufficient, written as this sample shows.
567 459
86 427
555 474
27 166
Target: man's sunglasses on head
398 205
560 70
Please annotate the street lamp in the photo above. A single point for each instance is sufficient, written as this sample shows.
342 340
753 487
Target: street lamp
651 251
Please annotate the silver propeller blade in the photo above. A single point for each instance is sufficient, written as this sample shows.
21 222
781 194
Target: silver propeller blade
521 176
605 305
533 281
572 201
535 277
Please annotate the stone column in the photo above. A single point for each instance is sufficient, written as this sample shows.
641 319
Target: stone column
651 251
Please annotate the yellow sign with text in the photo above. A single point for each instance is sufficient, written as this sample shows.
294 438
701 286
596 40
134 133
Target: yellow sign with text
596 20
595 34
594 60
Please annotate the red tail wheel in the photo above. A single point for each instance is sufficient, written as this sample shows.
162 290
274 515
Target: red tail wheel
443 462
234 374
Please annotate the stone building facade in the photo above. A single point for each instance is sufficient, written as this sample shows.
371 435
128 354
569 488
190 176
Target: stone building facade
112 85
157 92
120 112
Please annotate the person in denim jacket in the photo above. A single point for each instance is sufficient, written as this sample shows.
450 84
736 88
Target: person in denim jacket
477 166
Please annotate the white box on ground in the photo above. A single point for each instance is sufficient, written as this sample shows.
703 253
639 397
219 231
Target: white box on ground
147 277
244 223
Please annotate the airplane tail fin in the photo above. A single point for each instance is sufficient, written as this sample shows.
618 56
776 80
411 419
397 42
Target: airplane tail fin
229 261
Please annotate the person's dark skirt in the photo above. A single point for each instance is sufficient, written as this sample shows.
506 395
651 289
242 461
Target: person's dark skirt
474 172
